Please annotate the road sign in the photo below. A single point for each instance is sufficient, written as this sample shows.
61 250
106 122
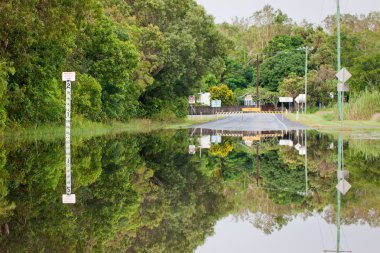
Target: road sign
68 76
191 99
216 103
343 87
191 149
205 98
301 98
298 146
343 75
68 199
285 99
343 186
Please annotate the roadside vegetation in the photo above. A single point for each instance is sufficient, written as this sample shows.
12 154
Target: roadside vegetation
142 59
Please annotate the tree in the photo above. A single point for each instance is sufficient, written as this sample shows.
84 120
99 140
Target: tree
274 69
236 75
284 42
366 73
223 93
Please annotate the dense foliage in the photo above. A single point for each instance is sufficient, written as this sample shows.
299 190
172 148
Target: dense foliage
280 44
140 58
133 58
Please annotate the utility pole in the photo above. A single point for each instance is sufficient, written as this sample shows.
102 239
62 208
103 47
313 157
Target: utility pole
306 172
338 208
257 163
340 141
257 81
306 69
338 59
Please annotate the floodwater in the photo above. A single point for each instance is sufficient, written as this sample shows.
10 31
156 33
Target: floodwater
192 191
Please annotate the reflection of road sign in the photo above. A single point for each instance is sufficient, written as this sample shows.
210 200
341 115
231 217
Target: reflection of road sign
216 103
343 174
302 151
286 143
191 149
343 186
216 139
343 75
205 141
252 138
68 199
285 99
68 76
191 99
343 87
248 98
248 143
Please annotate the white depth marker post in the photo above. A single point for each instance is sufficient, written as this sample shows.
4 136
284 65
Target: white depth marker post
68 198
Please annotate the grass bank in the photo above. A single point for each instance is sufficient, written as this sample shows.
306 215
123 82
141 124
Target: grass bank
86 129
325 121
362 106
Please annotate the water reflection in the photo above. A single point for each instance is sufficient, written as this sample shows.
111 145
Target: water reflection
146 193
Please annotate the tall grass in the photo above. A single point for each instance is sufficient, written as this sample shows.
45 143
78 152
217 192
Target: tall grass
362 106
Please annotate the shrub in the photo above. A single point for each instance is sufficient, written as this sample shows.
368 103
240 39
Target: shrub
362 106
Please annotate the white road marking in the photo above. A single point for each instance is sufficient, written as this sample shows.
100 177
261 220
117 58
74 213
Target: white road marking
282 123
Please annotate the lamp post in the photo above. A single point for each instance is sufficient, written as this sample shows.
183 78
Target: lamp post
306 70
338 58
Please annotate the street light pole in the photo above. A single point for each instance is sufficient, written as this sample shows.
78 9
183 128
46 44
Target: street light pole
257 81
338 59
306 69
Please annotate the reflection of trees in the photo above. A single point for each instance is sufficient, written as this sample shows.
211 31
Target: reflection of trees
6 208
146 194
135 193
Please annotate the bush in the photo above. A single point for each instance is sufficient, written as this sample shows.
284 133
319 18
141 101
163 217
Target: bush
362 106
86 97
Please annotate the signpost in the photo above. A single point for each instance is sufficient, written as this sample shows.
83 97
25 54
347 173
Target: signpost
192 99
343 76
192 102
285 100
301 98
68 198
216 104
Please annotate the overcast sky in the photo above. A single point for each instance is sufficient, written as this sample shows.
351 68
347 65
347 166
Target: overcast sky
313 11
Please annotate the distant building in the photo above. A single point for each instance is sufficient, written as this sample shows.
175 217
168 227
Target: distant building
248 101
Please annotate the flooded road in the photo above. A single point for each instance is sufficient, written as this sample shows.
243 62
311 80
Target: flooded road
192 191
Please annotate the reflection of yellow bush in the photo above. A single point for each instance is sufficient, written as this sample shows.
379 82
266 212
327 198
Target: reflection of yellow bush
222 150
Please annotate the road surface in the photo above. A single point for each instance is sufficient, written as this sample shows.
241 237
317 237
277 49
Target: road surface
252 122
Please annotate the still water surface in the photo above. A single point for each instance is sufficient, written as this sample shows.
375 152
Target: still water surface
191 191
